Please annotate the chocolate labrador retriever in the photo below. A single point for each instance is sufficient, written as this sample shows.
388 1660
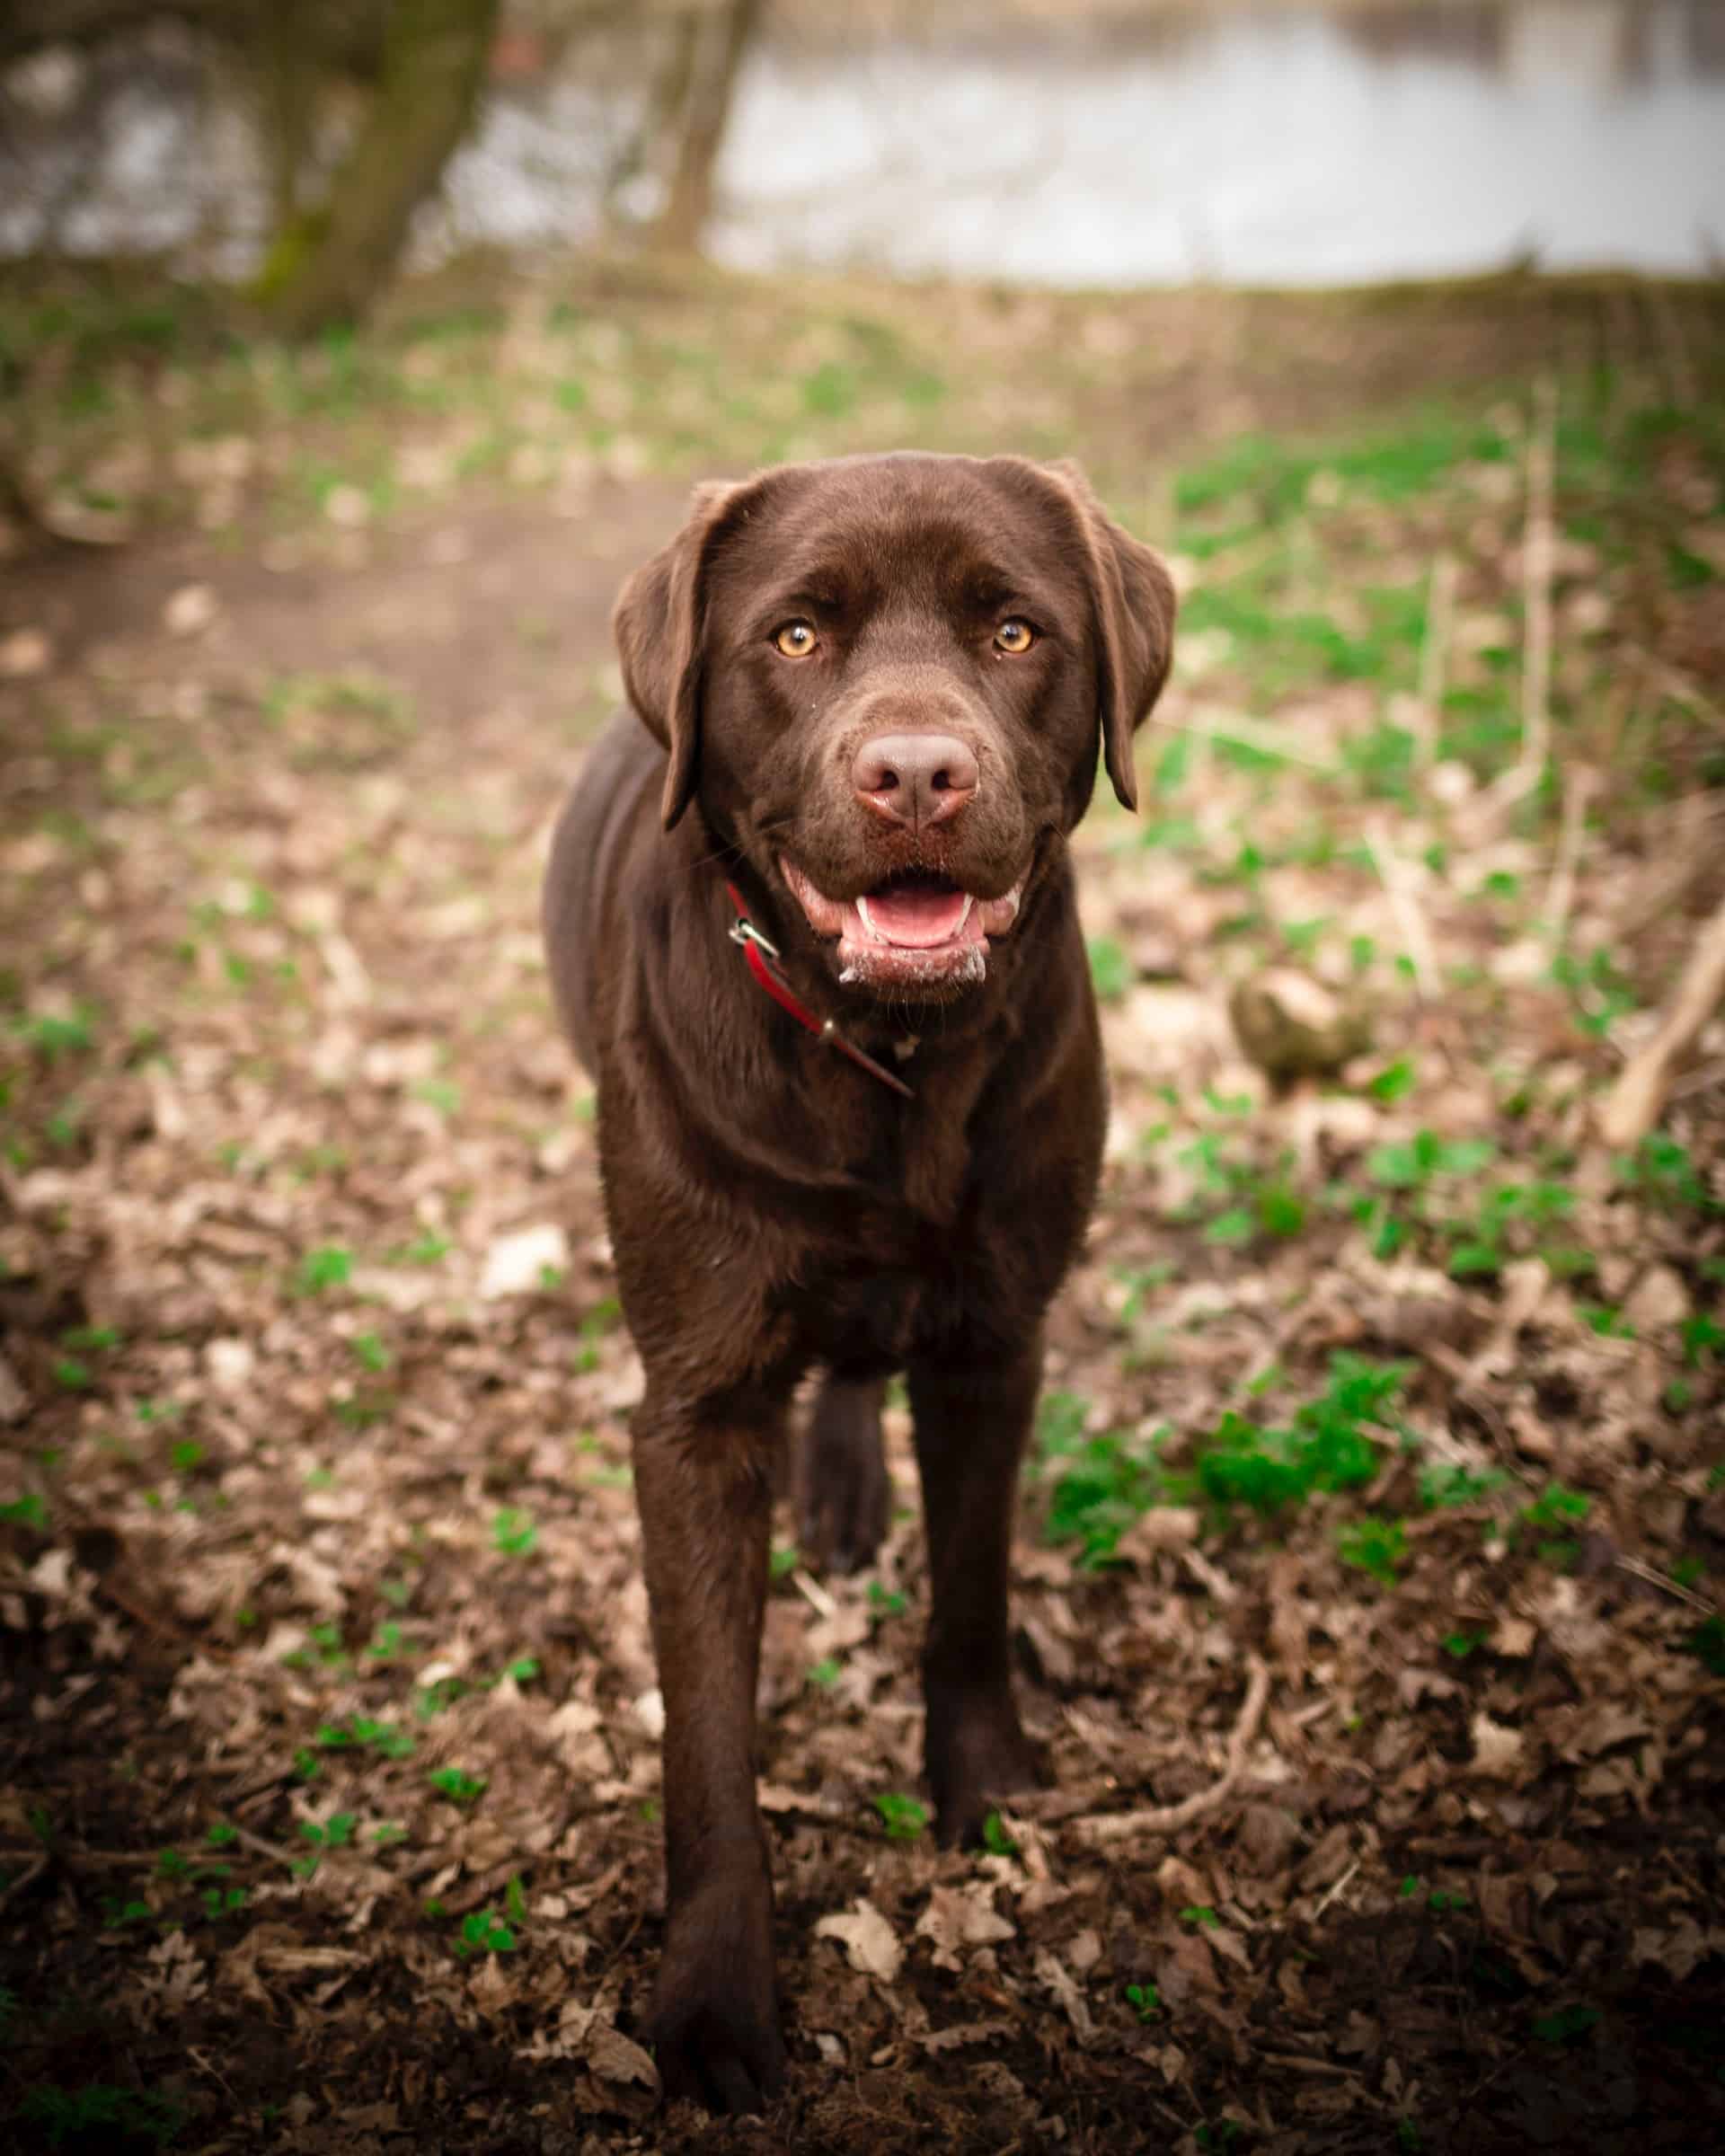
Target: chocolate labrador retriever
811 923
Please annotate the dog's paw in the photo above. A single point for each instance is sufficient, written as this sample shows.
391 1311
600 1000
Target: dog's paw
714 2023
843 1491
977 1754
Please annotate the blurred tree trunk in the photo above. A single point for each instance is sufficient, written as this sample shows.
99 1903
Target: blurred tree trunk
715 42
325 264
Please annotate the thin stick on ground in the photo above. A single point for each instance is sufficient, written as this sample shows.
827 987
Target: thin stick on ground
1416 936
1263 740
1635 1102
1337 1890
1654 1577
1168 1818
1434 659
27 1877
1538 554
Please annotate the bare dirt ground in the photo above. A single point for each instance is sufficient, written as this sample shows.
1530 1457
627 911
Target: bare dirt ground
1382 1471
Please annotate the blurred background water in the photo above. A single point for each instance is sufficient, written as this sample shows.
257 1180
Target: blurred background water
1075 148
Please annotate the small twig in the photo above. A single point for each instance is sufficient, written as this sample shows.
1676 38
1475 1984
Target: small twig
1581 783
271 1850
1335 1890
1699 1081
1416 937
1168 1818
1537 556
28 1876
1209 1577
1656 1578
1676 683
1638 1098
1297 2064
814 1593
1245 735
1433 658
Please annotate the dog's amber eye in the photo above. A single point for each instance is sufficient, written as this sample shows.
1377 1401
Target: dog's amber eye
1015 636
796 640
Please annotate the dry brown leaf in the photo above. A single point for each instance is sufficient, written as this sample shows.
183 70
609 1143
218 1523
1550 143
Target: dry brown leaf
961 1916
1499 1751
871 1946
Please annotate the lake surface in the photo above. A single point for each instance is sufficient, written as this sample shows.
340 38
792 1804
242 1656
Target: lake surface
1290 146
1283 148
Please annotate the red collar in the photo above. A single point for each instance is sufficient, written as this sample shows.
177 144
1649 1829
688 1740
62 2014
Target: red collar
762 958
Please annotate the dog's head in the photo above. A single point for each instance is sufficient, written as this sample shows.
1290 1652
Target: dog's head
886 679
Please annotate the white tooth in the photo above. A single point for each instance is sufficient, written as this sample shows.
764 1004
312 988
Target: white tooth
965 915
868 921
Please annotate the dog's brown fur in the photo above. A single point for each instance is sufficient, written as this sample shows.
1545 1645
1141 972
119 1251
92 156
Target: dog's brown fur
772 1206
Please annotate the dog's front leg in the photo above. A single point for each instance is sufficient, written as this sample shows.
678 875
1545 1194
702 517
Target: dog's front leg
973 1417
703 1484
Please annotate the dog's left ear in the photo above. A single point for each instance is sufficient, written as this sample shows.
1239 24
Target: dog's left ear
1134 598
658 623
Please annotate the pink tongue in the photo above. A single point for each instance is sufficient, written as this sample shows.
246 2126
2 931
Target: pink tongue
916 916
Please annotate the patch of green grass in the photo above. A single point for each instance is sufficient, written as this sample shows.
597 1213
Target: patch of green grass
1460 1646
1486 1243
602 1319
54 1036
885 1602
484 1931
904 1818
996 1839
1333 1443
1706 1642
1662 1171
513 1531
1555 1510
363 1734
1599 992
1252 1199
98 2115
1374 1546
329 1266
1444 1482
1413 1164
370 1353
1700 1335
1264 478
458 1785
1567 2027
1100 1484
1111 970
1145 1999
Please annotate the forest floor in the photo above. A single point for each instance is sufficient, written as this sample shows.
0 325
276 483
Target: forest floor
1387 1410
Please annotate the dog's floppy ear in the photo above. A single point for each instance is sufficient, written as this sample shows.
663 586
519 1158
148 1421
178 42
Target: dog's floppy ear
1134 598
658 623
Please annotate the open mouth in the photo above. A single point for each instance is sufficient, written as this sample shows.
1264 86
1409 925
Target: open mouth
914 929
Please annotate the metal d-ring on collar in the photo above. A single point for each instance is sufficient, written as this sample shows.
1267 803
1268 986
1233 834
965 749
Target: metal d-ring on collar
762 955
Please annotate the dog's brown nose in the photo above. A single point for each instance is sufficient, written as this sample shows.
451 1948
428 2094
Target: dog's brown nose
915 778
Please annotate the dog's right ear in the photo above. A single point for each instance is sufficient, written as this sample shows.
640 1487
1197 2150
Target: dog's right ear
658 621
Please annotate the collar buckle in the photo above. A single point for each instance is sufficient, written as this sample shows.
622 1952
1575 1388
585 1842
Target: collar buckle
743 932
